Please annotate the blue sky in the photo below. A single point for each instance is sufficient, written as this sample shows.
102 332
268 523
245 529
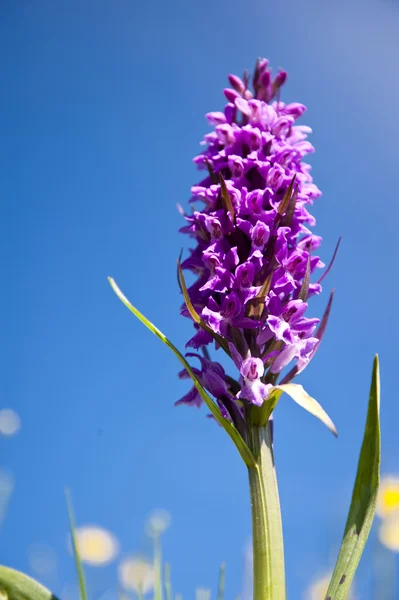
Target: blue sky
102 110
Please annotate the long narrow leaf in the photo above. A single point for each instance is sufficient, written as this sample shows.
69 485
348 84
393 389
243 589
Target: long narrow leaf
240 444
17 586
226 197
302 398
260 415
78 562
257 304
326 272
303 292
364 498
285 202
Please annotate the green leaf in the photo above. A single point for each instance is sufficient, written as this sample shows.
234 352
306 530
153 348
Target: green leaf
301 397
261 414
303 292
291 209
285 202
78 562
226 197
257 304
364 497
240 444
17 586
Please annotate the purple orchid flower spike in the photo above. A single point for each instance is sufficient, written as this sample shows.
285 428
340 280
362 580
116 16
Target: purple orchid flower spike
254 252
260 230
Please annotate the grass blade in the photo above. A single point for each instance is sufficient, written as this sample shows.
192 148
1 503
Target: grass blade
364 498
222 581
78 562
158 583
167 583
240 444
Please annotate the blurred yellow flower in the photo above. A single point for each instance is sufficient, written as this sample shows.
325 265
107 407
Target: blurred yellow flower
389 533
96 545
388 496
136 573
318 589
9 422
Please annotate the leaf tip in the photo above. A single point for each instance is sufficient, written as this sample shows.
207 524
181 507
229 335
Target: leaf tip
118 291
112 282
331 426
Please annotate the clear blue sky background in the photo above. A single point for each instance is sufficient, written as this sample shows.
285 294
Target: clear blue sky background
102 109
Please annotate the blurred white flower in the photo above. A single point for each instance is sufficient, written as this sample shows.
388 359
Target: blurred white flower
318 588
70 591
96 545
247 582
42 559
158 522
9 422
6 489
136 573
202 594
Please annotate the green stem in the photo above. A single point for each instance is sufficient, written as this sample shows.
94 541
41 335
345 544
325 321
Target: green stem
158 585
267 533
167 583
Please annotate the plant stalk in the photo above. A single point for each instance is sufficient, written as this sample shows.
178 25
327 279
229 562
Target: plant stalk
267 533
